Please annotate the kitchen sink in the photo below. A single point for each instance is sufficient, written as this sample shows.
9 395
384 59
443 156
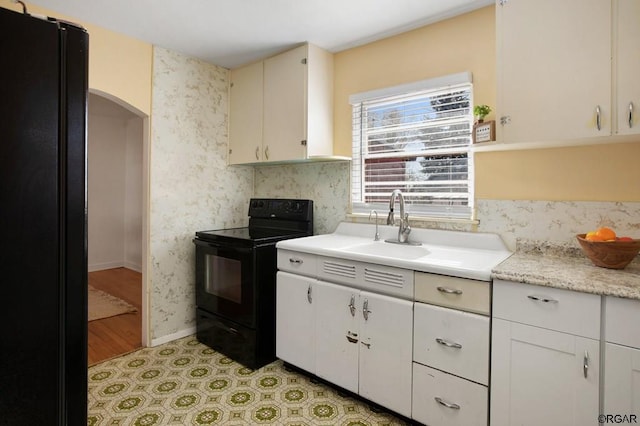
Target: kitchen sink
388 250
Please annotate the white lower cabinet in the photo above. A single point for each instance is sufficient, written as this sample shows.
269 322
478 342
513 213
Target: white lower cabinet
446 400
450 352
622 381
338 335
358 340
622 359
385 351
296 320
542 377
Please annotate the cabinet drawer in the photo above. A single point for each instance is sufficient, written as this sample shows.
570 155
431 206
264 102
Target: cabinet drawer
622 317
551 308
459 293
461 402
453 341
297 262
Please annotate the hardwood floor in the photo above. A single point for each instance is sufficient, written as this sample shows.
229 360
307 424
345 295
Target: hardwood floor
110 337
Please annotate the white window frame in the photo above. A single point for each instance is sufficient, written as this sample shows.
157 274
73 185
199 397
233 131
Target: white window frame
422 88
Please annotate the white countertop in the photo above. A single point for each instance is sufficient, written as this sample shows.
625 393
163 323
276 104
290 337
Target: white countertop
460 254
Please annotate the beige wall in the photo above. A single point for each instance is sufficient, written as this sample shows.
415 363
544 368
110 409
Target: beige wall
464 43
605 172
119 66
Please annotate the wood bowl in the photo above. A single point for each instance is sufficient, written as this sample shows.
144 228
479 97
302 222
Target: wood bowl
609 254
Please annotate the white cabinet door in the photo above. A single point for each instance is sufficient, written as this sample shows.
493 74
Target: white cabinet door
622 380
554 69
386 351
627 66
245 114
337 334
285 105
542 377
295 320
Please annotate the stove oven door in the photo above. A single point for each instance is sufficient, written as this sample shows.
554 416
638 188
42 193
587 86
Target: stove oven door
224 280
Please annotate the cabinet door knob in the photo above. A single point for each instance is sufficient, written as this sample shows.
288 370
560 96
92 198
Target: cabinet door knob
266 153
630 114
365 309
585 364
598 117
447 404
257 152
352 305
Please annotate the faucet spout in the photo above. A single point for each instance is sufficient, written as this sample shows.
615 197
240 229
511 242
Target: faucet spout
403 229
395 194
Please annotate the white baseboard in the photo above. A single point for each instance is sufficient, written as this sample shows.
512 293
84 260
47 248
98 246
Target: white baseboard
106 265
133 266
174 336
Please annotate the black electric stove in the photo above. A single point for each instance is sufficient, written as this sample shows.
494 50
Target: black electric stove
236 275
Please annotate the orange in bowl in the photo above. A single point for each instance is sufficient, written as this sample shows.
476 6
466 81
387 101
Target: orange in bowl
610 254
601 234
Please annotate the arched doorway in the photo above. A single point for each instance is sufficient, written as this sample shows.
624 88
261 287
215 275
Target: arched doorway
116 205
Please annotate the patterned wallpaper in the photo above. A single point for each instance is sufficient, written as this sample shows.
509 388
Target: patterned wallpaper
327 184
191 187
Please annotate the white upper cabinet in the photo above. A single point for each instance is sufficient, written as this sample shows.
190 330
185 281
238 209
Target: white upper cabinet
245 114
627 66
554 69
283 110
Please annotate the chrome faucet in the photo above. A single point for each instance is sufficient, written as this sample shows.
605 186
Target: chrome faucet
404 227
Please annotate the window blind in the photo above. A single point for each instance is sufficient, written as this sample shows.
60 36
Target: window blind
418 142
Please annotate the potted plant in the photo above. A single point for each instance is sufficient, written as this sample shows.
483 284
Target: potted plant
481 111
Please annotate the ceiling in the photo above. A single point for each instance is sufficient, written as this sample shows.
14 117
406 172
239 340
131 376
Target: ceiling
231 33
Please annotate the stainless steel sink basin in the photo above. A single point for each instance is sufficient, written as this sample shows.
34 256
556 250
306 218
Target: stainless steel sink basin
389 250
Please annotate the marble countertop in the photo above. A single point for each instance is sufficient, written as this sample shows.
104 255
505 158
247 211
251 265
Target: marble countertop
567 268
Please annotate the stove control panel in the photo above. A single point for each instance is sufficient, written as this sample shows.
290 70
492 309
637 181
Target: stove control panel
293 209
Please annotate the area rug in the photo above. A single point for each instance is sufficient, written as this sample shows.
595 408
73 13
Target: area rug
104 305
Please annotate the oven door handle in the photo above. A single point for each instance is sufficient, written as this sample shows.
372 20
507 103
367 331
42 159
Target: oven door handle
221 246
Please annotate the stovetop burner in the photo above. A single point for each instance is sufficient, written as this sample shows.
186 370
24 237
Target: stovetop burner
270 220
253 234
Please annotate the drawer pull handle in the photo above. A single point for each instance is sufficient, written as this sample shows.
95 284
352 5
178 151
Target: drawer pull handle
448 343
296 261
447 404
542 299
449 290
309 297
352 340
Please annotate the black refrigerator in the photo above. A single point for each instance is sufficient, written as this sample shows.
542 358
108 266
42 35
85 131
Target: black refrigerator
43 218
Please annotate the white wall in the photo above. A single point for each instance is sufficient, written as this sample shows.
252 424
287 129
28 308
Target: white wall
114 186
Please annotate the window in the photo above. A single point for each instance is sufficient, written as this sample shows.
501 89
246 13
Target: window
415 138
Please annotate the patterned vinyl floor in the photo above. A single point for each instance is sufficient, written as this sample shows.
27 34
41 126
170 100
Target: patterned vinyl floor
186 383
